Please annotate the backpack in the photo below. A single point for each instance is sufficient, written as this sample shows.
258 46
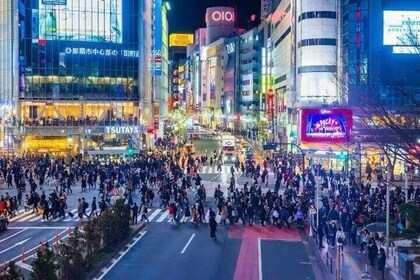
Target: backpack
86 205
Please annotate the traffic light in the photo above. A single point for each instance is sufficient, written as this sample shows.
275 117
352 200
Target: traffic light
130 150
342 156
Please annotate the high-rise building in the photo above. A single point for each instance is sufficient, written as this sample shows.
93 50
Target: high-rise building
380 58
77 74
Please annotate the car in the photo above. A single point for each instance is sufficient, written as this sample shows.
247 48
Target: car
4 223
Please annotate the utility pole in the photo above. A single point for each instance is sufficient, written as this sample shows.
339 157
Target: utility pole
388 177
406 181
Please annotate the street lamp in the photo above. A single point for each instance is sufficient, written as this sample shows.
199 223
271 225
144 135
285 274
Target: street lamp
388 177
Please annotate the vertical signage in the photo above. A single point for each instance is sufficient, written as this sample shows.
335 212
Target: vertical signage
270 105
157 55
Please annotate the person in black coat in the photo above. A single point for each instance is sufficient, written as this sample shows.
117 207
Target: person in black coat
381 262
213 227
372 251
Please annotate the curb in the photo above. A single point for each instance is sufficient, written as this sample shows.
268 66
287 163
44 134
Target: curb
103 266
324 269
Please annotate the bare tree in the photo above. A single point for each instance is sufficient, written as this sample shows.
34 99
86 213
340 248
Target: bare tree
394 129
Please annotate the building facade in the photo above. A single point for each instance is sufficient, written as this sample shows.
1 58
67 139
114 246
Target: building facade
69 86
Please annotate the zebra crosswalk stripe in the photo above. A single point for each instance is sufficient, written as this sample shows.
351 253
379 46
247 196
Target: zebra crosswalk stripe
154 214
163 216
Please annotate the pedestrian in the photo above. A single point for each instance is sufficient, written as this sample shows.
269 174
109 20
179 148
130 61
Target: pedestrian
284 217
372 251
223 215
365 240
80 207
213 228
94 207
85 207
134 213
340 239
143 212
382 262
194 214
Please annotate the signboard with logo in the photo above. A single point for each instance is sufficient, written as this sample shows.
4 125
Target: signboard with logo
157 53
220 16
270 105
326 125
122 129
180 39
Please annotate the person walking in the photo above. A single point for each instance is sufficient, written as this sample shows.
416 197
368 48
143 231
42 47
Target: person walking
94 208
80 207
340 239
382 262
372 251
134 214
143 212
213 228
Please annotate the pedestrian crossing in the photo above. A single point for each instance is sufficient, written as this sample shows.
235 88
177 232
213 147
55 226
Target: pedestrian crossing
213 169
162 216
30 216
155 215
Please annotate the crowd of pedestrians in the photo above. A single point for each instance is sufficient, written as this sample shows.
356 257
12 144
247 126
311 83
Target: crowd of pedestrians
172 180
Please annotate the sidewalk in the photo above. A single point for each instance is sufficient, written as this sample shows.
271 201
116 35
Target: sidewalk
353 263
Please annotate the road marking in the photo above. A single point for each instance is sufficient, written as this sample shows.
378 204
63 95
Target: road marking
24 266
69 219
206 218
260 277
188 243
37 227
39 217
163 216
106 270
19 216
30 216
154 214
17 244
19 232
36 247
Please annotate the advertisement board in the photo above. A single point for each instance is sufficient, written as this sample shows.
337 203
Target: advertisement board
326 125
270 105
401 27
220 16
180 39
158 39
80 20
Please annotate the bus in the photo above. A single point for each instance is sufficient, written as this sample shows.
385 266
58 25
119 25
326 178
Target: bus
227 148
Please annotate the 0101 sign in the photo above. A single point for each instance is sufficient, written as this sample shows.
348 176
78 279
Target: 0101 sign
223 16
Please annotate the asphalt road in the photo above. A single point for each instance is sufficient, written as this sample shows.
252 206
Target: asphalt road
176 252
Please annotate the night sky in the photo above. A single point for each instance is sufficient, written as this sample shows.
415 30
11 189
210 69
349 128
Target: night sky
188 15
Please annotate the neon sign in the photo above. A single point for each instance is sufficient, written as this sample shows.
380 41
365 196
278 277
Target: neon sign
223 16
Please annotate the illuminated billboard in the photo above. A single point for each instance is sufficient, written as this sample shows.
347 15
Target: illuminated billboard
180 39
220 16
401 28
326 125
80 20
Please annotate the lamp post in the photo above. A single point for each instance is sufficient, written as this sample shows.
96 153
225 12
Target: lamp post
406 181
388 176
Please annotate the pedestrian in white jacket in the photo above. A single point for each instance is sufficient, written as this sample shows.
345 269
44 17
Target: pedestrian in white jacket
340 239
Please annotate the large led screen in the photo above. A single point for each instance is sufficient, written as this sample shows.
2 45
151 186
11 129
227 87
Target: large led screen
326 125
81 20
401 28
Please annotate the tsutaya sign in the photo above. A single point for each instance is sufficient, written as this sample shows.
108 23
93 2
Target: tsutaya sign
122 129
